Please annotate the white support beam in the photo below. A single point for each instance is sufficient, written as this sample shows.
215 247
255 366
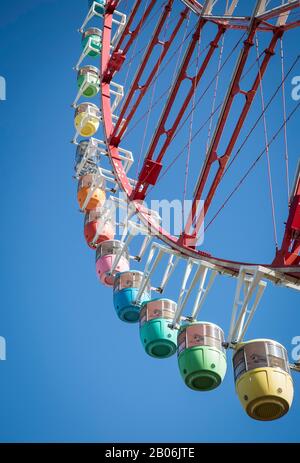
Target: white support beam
202 291
187 292
120 254
231 7
119 21
278 10
283 17
262 7
198 8
281 12
91 13
150 267
199 276
88 157
172 263
208 7
193 5
183 291
143 249
246 322
249 285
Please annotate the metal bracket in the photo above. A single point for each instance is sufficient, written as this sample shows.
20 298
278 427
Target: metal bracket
199 276
249 284
120 23
155 256
295 367
98 147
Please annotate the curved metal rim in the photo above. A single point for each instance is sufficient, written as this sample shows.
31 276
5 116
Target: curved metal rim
230 266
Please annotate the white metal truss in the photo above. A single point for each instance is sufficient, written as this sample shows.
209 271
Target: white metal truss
172 263
130 229
249 290
96 149
206 9
127 236
87 49
155 255
119 21
260 11
199 9
157 251
99 175
201 270
90 155
120 24
193 5
114 120
116 92
231 7
281 16
91 14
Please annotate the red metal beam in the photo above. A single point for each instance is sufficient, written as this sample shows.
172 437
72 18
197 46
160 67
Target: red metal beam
293 25
212 155
118 56
135 32
126 31
151 168
288 254
143 89
136 86
195 81
112 5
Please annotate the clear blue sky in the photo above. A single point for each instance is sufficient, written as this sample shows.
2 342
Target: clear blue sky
74 372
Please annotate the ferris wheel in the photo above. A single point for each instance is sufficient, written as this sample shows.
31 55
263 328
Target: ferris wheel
184 82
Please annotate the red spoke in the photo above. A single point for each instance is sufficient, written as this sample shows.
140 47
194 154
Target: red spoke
151 169
212 155
118 56
290 247
136 82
